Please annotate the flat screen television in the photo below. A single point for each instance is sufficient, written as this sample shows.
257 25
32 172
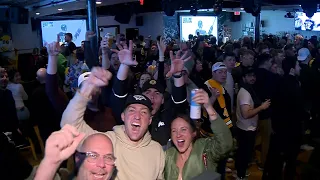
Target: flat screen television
202 25
50 29
302 22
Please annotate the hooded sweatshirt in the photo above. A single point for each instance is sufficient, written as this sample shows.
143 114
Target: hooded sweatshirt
134 161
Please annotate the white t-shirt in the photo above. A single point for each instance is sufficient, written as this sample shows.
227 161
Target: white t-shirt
229 86
18 93
244 98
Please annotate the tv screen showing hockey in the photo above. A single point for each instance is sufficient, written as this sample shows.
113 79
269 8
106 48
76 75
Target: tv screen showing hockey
50 30
202 25
302 22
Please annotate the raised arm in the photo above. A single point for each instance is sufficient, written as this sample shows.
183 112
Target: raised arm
59 146
105 56
221 142
162 48
57 98
179 92
120 83
88 52
74 113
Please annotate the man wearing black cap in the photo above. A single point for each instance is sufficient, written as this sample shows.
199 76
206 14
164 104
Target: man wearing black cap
162 117
132 142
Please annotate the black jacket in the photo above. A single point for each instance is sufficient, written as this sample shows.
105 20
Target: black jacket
161 122
265 88
8 115
288 108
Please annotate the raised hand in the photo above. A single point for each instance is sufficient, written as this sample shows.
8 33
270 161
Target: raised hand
104 45
177 63
214 92
89 35
62 144
161 46
99 77
54 47
125 54
201 97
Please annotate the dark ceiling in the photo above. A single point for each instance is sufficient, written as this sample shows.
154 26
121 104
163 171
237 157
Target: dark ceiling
156 5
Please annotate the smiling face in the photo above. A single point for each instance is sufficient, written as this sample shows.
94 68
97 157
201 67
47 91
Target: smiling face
101 145
182 134
115 63
137 118
156 99
144 78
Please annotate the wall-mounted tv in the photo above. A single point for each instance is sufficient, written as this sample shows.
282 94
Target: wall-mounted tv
203 25
302 22
50 29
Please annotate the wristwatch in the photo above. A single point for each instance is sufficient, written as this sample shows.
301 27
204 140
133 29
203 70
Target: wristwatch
177 76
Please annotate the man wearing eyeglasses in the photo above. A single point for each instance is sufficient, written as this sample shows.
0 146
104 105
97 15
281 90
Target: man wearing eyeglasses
95 160
138 156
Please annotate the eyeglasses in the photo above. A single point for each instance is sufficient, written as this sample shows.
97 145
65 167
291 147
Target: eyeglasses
93 157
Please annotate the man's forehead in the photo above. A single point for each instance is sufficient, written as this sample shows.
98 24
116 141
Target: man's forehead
97 141
220 70
152 90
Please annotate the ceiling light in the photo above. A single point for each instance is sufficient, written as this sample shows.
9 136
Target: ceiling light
241 9
37 13
60 9
98 2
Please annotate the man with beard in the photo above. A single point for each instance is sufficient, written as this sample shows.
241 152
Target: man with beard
138 157
95 159
248 107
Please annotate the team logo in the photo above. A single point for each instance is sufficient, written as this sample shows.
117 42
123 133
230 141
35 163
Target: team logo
153 82
139 97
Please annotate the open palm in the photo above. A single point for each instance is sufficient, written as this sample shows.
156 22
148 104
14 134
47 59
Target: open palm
125 54
177 63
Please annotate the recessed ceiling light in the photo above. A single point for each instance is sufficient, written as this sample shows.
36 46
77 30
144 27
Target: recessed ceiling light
37 13
98 2
60 9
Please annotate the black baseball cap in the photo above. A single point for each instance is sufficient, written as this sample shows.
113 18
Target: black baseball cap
139 99
153 84
247 71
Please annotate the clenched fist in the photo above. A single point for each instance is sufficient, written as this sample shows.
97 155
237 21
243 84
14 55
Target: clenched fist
62 144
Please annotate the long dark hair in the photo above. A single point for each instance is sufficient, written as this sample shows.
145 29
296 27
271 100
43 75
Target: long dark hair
191 122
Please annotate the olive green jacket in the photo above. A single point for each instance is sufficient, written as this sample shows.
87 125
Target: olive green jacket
209 150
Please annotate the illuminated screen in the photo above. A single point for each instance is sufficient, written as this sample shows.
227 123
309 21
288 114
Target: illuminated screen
204 25
50 29
302 22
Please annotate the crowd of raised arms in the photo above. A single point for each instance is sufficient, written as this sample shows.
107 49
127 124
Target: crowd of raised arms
160 109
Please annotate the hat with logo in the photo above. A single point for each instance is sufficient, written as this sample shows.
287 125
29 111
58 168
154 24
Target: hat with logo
303 53
83 77
139 99
153 84
218 65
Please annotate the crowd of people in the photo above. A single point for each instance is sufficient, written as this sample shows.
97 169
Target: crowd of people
128 116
